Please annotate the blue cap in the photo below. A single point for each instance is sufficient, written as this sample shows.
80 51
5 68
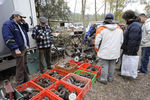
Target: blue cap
109 16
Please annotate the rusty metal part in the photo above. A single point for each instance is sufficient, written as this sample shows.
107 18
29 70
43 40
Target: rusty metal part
92 68
65 65
76 82
29 92
44 82
87 76
62 92
56 75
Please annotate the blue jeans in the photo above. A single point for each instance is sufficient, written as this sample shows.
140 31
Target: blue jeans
145 59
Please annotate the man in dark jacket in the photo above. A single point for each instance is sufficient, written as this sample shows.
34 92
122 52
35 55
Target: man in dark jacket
16 39
132 35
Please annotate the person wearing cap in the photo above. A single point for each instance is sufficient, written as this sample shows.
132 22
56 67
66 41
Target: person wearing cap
15 36
108 41
145 43
42 35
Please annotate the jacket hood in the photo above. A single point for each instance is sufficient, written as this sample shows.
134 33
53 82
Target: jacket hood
111 26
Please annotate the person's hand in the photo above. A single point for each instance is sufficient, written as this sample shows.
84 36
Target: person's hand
41 37
88 38
18 52
23 21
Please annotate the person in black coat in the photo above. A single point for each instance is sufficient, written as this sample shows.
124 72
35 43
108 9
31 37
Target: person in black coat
132 35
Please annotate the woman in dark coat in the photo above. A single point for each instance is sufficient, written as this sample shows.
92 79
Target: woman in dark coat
132 35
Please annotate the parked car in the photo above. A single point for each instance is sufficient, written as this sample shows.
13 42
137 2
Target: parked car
78 28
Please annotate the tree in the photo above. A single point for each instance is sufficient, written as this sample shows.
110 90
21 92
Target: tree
120 5
52 9
111 5
117 6
147 6
83 13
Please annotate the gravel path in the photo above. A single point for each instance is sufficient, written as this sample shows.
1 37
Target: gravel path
122 88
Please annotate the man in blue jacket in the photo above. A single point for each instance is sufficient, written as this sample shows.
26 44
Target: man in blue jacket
91 31
15 36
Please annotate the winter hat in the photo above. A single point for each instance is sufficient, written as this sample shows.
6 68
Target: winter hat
43 19
109 16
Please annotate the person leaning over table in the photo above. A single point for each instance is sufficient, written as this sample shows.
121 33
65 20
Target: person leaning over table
108 41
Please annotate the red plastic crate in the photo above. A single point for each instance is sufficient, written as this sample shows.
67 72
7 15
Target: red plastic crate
36 79
84 80
29 84
78 63
68 70
84 66
71 88
58 71
49 94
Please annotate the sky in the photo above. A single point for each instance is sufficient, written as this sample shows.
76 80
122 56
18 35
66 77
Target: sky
90 9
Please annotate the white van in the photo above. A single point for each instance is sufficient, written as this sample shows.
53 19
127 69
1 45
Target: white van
27 7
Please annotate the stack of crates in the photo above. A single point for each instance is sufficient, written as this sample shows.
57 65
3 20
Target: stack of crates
76 62
68 70
84 80
78 71
82 72
85 66
70 87
57 71
26 85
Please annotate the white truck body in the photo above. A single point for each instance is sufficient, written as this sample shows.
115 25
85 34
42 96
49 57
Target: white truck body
27 7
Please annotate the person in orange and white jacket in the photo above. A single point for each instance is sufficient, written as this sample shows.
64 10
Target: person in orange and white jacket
108 41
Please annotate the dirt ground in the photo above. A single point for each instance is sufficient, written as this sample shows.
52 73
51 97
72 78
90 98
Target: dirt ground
121 88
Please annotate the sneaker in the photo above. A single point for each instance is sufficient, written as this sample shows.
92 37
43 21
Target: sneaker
103 82
110 80
138 71
141 74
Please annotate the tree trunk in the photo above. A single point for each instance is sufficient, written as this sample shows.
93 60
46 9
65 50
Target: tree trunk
95 12
116 10
83 14
105 9
75 11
